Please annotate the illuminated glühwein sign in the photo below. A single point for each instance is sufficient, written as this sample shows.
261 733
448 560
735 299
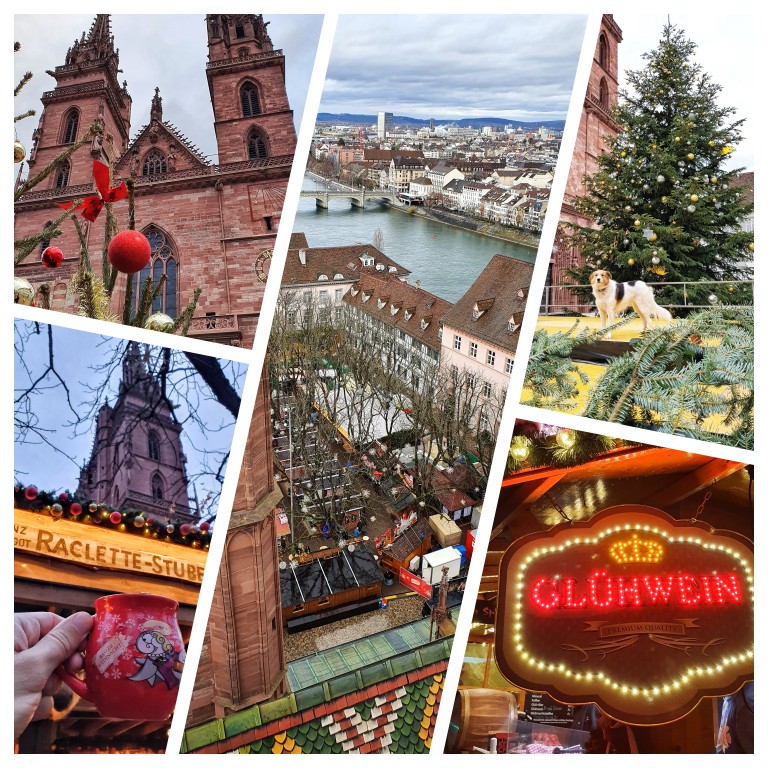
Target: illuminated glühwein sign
632 610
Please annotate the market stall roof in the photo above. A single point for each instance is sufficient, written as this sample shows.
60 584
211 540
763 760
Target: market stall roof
339 572
406 543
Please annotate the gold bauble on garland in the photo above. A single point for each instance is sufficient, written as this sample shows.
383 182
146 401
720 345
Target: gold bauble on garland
19 153
159 321
23 292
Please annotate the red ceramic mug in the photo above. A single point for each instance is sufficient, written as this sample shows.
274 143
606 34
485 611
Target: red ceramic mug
134 658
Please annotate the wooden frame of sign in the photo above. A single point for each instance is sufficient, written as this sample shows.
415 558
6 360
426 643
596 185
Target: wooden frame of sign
632 610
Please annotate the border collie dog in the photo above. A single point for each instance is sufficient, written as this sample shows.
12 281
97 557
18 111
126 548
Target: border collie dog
612 298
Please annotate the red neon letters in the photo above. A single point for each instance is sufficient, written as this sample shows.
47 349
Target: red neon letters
602 590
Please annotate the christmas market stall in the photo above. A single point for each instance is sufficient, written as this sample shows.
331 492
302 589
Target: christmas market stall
69 552
615 611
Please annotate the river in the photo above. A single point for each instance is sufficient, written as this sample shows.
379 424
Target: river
445 259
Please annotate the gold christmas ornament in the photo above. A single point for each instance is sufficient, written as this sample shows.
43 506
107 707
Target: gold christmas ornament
23 292
159 322
637 222
726 150
711 143
751 247
690 155
19 153
694 198
631 262
713 180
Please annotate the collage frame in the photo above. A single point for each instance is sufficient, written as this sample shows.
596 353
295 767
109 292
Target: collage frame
514 411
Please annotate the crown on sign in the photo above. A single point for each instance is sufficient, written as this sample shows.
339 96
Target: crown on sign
637 550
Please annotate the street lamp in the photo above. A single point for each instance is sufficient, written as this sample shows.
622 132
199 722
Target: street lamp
290 468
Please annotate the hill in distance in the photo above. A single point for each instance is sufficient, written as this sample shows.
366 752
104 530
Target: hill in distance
467 122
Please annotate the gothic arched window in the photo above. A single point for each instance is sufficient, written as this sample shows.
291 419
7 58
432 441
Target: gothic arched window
249 99
157 486
154 163
603 93
70 126
602 52
153 446
163 261
62 175
257 147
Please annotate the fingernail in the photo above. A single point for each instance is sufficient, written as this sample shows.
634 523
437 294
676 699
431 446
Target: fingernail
83 621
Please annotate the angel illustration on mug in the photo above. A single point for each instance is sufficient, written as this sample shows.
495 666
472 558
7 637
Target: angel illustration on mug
161 660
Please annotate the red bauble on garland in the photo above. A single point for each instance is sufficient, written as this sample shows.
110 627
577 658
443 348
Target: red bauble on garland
75 509
115 518
30 493
52 257
129 251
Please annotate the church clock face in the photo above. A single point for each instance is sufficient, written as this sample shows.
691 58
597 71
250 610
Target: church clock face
263 263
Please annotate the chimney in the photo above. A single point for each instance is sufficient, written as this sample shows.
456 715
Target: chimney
303 256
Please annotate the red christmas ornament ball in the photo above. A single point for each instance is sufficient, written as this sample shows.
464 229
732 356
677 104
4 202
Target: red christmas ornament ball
75 509
185 529
129 251
205 526
115 518
30 493
52 257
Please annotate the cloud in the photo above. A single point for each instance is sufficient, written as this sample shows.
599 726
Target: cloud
520 67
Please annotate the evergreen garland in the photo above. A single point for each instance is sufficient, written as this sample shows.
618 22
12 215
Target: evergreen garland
67 506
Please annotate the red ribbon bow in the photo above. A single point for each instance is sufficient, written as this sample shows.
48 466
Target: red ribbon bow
93 204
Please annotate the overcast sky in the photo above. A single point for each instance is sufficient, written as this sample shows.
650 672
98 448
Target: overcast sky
165 51
39 464
725 51
517 67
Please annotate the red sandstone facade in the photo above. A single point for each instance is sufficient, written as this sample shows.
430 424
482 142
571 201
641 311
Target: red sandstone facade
242 661
137 460
595 126
208 223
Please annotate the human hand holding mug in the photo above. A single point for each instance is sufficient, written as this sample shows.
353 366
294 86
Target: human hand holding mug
133 659
43 641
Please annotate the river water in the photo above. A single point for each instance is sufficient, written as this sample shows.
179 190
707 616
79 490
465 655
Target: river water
446 259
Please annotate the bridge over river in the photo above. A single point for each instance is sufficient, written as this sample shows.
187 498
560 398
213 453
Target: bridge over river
357 196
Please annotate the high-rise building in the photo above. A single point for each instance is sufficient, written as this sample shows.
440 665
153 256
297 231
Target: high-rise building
384 125
207 222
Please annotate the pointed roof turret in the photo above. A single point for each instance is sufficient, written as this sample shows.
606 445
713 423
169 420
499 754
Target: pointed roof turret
101 29
156 110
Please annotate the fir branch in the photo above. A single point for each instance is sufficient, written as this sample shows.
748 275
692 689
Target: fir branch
26 245
148 299
85 261
109 273
24 115
56 162
26 77
185 318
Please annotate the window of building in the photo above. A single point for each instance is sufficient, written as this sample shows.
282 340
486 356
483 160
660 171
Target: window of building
268 223
239 30
603 95
472 349
154 163
157 486
323 297
456 342
257 147
249 100
486 389
307 296
508 365
62 175
163 261
153 446
471 380
337 294
490 357
45 243
602 52
70 127
322 277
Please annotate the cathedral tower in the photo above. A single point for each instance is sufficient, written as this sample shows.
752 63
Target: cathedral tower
87 91
246 79
137 460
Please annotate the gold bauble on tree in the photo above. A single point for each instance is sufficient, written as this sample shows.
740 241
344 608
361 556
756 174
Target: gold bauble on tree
23 292
19 153
159 321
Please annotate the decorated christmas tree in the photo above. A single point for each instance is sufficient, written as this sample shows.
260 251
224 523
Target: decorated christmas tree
665 205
